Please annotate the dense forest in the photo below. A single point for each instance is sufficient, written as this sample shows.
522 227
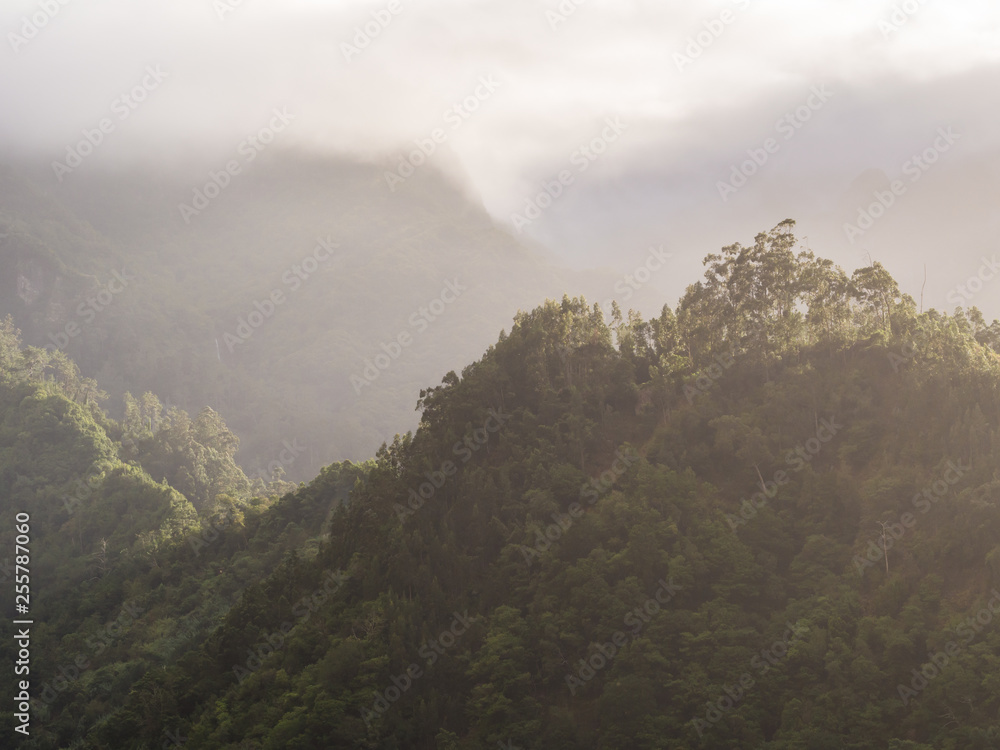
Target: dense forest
767 517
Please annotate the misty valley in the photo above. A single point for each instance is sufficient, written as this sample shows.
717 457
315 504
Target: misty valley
384 375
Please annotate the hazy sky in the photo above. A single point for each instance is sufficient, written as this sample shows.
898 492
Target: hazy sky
849 92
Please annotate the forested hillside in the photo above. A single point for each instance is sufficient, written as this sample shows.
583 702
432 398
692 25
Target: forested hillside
143 531
768 517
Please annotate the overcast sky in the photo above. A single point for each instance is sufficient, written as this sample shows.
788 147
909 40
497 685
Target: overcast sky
867 85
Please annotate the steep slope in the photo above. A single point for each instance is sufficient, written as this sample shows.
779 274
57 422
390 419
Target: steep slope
306 302
124 573
771 517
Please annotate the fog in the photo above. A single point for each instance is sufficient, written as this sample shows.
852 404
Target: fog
362 383
695 86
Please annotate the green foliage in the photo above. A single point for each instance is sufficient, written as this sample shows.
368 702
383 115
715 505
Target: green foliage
598 483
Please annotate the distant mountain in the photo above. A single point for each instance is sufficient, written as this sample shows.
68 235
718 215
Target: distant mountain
305 300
